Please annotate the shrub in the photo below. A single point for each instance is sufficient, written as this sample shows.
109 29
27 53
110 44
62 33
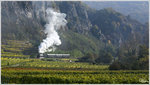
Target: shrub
115 66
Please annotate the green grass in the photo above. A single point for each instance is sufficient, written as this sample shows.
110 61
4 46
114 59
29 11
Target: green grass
78 44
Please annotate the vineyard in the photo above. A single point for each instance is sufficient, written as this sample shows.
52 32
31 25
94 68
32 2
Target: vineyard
39 76
7 62
37 63
18 68
36 71
15 49
72 42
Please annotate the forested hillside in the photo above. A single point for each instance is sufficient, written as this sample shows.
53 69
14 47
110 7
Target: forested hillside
96 36
135 9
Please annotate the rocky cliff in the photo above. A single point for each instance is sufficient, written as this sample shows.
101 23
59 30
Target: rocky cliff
87 29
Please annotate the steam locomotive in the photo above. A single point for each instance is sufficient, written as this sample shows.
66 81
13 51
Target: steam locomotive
44 55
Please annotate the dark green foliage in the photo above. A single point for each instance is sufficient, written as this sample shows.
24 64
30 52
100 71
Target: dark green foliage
130 60
115 66
115 26
96 31
143 51
106 54
107 58
77 44
89 57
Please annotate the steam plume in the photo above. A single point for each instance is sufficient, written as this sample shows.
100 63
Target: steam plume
55 22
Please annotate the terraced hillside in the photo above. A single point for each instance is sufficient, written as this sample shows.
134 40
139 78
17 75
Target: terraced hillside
15 48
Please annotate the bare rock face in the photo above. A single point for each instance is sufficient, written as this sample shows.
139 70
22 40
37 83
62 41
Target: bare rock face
19 18
77 16
26 20
31 15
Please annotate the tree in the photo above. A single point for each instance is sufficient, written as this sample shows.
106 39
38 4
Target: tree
144 63
106 58
120 54
96 31
89 57
143 58
143 51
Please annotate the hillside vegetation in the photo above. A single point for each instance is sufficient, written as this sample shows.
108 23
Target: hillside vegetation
137 10
15 48
95 36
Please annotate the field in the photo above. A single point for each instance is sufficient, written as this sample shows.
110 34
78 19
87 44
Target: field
48 42
18 68
36 71
15 49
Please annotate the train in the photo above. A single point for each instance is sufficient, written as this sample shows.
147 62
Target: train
54 55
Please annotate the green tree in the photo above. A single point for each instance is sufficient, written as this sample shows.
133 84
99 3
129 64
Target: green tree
106 58
96 31
89 57
143 51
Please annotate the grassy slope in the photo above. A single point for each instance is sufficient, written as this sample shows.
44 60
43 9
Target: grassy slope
73 43
78 44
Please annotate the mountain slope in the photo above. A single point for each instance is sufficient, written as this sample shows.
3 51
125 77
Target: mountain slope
137 10
114 25
87 30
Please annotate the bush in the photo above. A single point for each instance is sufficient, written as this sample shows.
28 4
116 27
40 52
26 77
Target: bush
89 57
106 58
115 66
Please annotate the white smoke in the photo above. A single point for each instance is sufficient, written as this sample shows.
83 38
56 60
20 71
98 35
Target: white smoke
55 22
